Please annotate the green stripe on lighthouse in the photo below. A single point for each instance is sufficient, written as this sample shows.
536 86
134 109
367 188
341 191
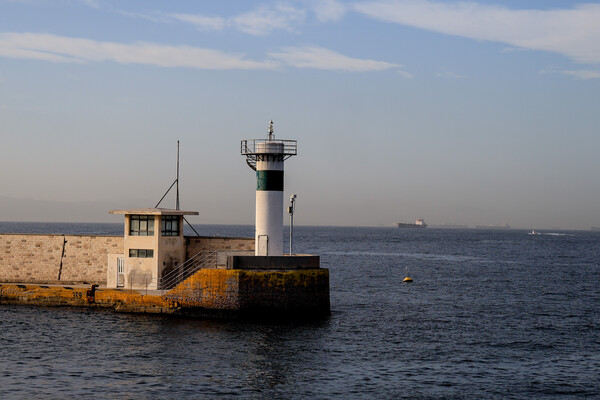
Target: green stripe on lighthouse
269 180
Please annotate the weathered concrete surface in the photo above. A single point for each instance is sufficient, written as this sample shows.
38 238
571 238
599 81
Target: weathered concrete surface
267 293
208 293
273 262
77 296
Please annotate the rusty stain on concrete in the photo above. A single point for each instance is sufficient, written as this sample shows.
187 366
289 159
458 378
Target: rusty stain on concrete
204 293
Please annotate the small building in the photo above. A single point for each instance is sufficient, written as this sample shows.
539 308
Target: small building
153 246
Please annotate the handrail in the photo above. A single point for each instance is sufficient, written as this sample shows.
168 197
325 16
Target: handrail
185 270
202 259
251 161
288 148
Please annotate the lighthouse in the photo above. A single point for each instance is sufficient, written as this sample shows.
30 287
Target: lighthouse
266 157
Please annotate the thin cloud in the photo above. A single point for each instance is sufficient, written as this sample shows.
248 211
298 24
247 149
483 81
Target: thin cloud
75 50
60 49
259 22
328 10
90 3
319 58
573 32
404 74
153 18
266 19
583 74
445 73
34 2
201 21
513 49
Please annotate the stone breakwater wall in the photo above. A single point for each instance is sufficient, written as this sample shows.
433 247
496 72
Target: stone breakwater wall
56 258
224 245
34 258
196 243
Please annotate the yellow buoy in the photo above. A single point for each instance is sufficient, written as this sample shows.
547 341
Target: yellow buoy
407 279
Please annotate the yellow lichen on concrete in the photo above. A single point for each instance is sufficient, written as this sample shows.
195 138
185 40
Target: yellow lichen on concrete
208 288
240 290
220 290
120 300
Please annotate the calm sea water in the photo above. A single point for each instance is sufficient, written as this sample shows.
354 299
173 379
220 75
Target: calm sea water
490 314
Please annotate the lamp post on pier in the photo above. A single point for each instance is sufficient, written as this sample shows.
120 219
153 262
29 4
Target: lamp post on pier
291 210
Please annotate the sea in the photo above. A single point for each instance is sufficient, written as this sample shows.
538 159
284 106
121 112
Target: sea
490 314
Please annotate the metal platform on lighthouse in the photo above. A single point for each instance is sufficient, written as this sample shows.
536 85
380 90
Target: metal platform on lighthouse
257 149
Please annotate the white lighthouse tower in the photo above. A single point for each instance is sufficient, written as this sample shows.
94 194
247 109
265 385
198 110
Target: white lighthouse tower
266 157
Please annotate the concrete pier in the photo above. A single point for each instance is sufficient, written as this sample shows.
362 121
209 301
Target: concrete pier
208 293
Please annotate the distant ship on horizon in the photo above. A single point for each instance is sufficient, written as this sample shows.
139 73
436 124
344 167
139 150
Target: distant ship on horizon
419 223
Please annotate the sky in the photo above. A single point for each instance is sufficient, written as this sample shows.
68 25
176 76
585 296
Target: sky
458 112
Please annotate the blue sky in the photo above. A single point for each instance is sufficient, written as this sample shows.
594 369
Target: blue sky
457 112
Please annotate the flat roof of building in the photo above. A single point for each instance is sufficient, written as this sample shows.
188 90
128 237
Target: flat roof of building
153 211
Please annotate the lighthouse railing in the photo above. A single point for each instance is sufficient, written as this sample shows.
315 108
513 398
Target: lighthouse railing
288 148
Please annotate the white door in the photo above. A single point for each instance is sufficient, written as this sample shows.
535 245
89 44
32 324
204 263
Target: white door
263 245
120 272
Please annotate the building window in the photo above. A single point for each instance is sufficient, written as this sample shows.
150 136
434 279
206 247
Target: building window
141 225
169 225
141 253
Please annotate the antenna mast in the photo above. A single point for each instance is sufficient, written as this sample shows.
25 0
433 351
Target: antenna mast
175 183
177 179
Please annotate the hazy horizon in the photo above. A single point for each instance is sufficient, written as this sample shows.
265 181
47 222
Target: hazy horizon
80 213
402 109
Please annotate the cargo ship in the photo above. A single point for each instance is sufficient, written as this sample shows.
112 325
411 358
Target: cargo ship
419 223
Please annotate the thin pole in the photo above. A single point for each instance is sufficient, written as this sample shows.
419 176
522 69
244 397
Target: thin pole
166 193
291 210
197 234
291 229
177 180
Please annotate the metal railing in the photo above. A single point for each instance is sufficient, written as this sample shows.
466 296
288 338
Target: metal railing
202 259
288 147
251 161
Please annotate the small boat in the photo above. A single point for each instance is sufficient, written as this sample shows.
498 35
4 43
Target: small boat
533 232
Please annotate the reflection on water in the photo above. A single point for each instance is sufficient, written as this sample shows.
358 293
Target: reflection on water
80 352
